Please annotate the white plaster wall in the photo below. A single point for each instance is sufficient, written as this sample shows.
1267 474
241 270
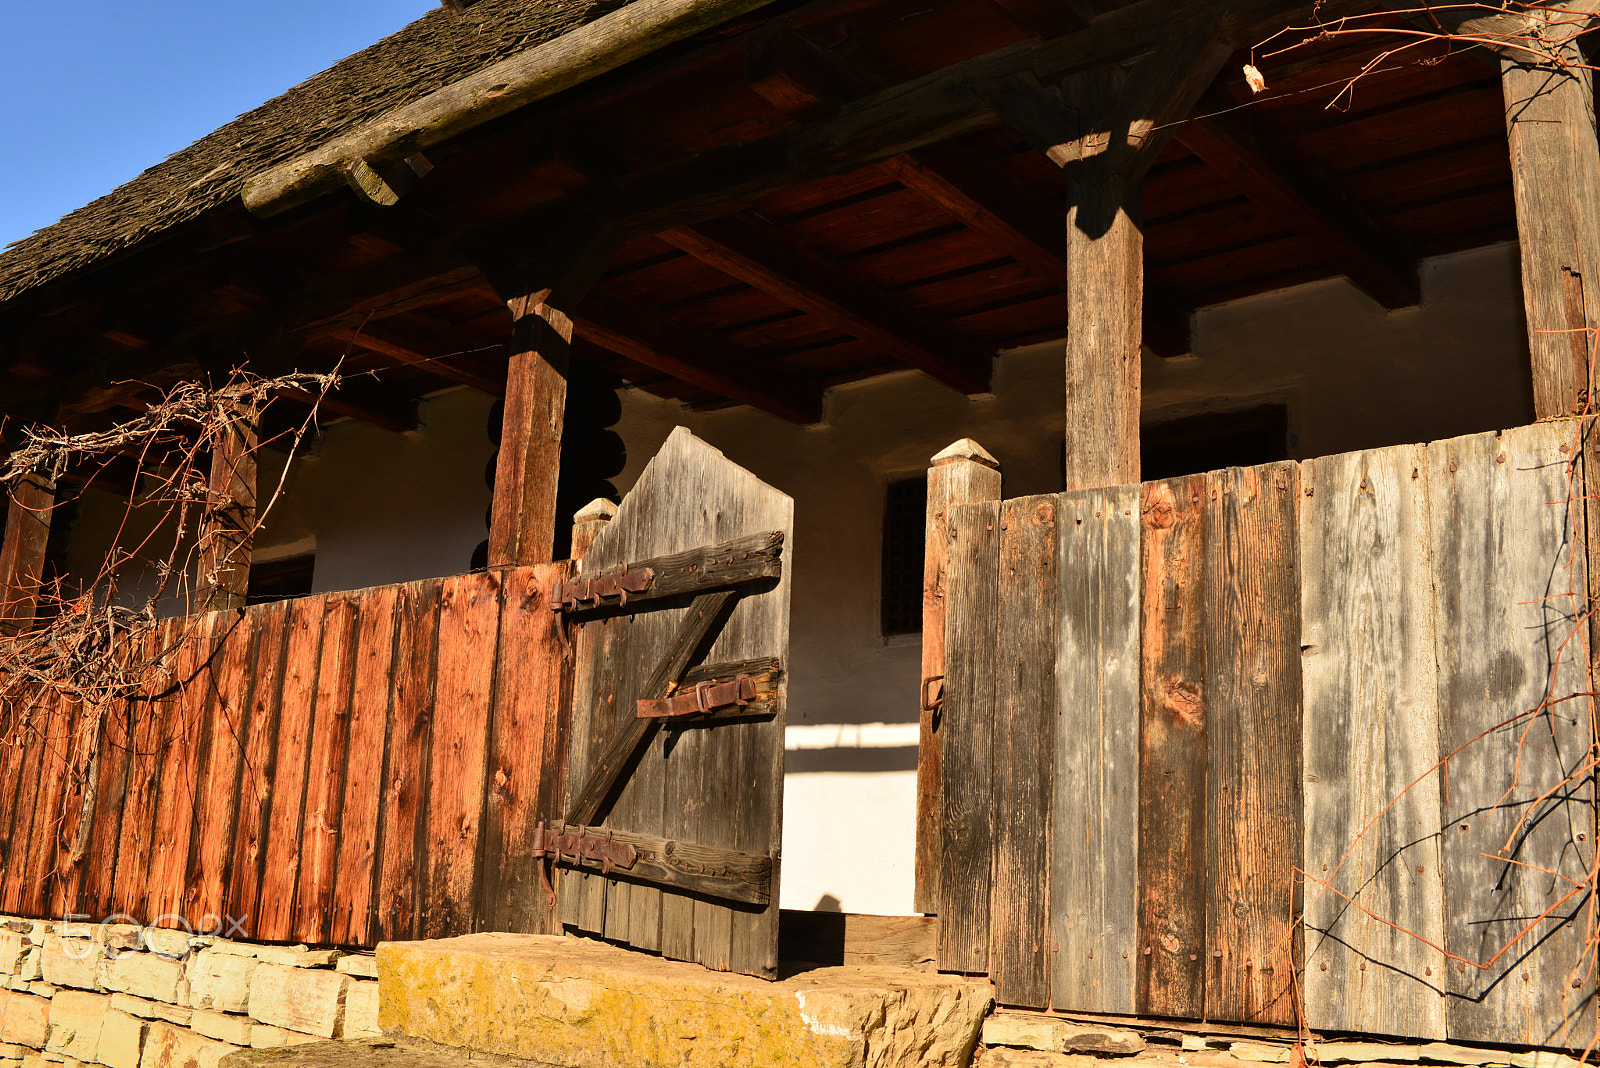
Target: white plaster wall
1352 374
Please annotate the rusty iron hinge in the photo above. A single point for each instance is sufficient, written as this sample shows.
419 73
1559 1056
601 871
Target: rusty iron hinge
580 843
567 596
703 697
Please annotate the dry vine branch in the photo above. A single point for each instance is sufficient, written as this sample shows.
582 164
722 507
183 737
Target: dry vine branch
82 646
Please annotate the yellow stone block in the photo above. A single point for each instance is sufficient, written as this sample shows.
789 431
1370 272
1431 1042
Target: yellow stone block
583 1004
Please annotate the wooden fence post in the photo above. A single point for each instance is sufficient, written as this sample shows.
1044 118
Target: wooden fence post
1555 168
964 473
587 524
27 532
228 530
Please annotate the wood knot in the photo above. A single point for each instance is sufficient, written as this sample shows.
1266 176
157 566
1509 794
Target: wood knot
1183 700
1160 515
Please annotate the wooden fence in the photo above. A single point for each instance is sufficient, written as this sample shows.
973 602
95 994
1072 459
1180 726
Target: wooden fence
341 768
1179 715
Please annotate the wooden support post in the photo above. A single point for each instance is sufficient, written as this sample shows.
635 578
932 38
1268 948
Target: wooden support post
540 288
1555 169
587 524
227 533
1104 130
964 473
27 532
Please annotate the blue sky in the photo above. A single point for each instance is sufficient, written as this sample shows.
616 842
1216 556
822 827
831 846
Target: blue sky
94 91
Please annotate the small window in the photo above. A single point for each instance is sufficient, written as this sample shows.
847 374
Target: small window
904 520
1214 440
279 580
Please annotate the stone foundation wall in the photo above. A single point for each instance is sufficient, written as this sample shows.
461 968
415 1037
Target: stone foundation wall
76 994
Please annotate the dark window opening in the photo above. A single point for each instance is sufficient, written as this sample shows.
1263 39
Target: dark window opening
1214 440
279 580
904 520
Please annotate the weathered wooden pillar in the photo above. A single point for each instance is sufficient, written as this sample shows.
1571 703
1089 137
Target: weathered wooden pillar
541 288
587 524
1555 168
27 533
227 534
1104 129
963 473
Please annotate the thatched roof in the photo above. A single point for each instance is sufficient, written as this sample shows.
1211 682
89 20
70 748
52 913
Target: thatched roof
434 51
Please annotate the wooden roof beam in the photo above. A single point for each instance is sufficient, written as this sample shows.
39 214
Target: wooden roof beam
1240 153
433 346
1027 230
655 341
746 248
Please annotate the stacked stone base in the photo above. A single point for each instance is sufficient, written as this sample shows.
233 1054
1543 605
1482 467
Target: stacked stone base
74 994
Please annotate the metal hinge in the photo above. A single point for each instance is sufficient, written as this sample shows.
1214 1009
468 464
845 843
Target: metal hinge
567 596
703 697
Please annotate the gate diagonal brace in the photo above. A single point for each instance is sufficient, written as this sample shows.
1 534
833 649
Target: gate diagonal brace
700 699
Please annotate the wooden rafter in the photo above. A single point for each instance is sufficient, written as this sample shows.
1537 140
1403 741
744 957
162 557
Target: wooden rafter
432 345
655 341
1016 221
1335 227
746 248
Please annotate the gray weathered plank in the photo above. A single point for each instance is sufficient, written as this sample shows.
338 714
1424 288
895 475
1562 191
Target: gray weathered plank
1371 730
1253 746
1024 751
1095 863
967 726
1505 569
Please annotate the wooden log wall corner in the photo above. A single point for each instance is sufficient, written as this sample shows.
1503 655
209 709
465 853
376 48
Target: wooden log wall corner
342 768
963 473
30 503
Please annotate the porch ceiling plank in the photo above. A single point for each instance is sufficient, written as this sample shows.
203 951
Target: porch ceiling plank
652 339
1374 260
794 75
431 345
753 252
1027 230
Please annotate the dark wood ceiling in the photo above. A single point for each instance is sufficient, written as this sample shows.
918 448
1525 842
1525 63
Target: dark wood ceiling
934 260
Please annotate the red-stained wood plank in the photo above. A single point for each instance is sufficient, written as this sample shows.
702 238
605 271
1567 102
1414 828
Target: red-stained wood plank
148 711
281 874
1253 774
1172 751
17 796
533 688
83 736
228 711
258 760
405 786
185 742
356 880
324 796
469 622
49 750
110 798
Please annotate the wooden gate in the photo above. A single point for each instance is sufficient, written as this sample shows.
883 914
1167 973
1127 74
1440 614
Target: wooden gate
680 621
1330 717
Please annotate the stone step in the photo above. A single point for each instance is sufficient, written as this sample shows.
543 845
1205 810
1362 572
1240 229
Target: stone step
577 1003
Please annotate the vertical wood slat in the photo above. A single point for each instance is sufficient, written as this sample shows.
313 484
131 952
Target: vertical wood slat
532 687
598 649
1094 862
1371 730
77 799
111 787
1024 751
459 758
275 916
1506 566
1172 748
185 740
258 763
51 742
352 910
12 752
218 812
1254 805
971 635
23 796
405 790
144 771
960 474
325 775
